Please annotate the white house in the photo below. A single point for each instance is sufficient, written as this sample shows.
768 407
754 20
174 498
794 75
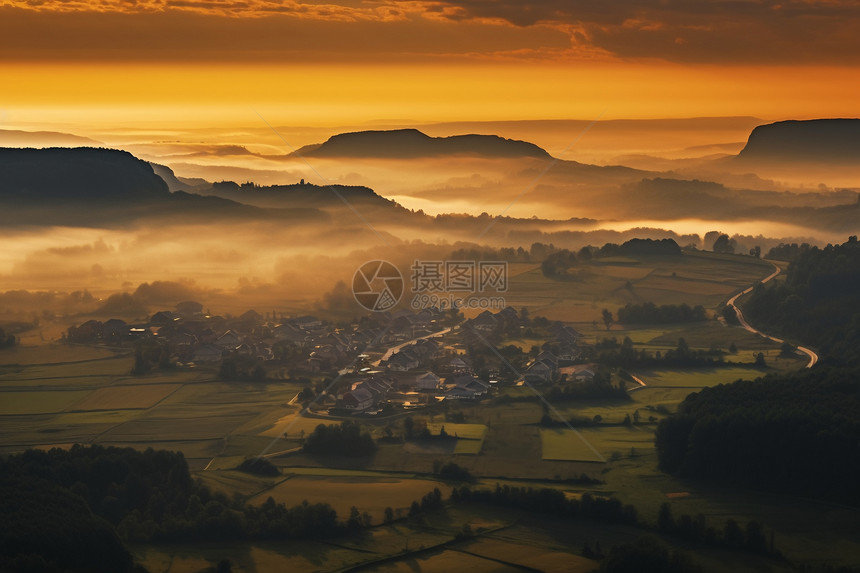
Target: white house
428 382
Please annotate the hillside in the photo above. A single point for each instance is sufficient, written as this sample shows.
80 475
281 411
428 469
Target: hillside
299 195
412 144
105 187
19 138
819 140
80 174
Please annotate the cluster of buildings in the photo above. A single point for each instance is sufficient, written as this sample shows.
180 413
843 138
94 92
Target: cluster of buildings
417 370
546 367
305 343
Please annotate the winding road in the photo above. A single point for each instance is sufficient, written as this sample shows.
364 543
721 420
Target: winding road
813 357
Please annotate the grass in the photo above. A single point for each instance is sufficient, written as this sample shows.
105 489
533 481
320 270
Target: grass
609 440
566 445
468 447
699 378
469 431
442 560
192 427
41 402
293 425
52 353
126 397
695 278
370 494
535 557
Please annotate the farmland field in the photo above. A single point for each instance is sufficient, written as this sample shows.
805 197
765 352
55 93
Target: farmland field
566 445
125 397
55 395
370 494
45 402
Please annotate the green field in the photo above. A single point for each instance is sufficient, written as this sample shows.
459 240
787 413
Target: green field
126 397
44 402
566 445
694 278
370 494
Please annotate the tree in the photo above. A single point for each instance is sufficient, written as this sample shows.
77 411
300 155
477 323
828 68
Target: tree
665 521
606 314
756 252
724 245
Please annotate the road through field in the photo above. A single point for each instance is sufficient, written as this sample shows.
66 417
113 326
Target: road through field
813 357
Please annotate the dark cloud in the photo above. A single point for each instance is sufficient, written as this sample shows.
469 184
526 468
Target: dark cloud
767 31
712 31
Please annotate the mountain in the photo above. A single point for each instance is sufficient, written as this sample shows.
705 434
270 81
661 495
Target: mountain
300 195
175 183
413 144
106 187
17 138
80 174
817 140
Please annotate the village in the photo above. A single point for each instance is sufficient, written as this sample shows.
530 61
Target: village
385 363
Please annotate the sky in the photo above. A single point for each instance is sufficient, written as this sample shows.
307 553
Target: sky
144 63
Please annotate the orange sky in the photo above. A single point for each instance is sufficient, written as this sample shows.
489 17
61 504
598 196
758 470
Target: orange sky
68 63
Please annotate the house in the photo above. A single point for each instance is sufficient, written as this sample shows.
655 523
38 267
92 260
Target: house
428 382
466 387
584 373
306 322
358 399
89 331
289 332
568 353
189 309
484 322
115 330
538 371
228 340
458 364
245 349
163 317
252 316
403 361
206 353
564 334
548 357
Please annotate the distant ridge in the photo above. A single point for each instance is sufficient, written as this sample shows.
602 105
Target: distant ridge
19 138
413 144
817 140
79 174
106 187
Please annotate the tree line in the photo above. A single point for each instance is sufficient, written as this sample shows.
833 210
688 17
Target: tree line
650 313
793 433
7 340
817 302
72 509
610 353
557 263
345 439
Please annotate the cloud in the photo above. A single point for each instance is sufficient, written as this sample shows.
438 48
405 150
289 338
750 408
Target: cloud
697 31
766 31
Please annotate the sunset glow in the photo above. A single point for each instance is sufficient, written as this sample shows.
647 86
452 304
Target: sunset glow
109 64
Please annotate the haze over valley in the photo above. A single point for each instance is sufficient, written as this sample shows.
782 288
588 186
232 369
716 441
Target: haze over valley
424 286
